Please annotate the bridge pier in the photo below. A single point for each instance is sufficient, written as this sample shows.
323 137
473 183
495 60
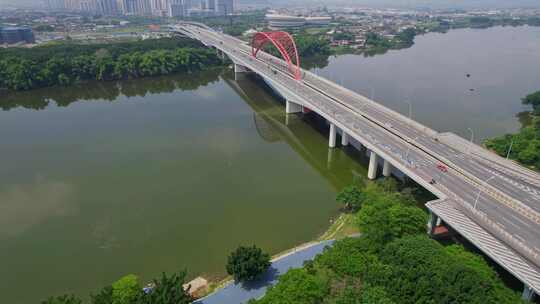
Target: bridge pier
239 69
372 170
220 54
344 139
332 137
291 107
528 293
433 222
387 169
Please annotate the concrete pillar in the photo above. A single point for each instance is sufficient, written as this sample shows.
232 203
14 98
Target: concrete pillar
432 223
372 170
528 293
332 137
344 139
387 168
291 107
239 69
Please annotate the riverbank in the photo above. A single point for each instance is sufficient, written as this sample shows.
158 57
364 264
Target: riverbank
234 293
523 146
343 226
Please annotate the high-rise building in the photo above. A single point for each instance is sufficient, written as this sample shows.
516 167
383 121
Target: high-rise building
121 6
224 7
72 5
139 7
211 5
106 7
176 8
159 7
87 6
55 5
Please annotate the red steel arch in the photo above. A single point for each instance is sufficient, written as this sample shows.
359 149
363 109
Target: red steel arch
285 44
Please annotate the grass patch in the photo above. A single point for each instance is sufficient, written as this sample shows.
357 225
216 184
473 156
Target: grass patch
343 226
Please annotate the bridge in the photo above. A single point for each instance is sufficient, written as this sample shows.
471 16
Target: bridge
489 200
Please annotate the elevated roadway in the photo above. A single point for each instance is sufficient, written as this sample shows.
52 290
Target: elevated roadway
491 201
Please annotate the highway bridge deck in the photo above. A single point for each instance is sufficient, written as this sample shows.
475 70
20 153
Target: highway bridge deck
489 200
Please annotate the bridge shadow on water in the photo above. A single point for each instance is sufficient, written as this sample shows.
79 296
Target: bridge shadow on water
305 133
340 166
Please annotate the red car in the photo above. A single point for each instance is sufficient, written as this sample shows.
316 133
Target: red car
442 167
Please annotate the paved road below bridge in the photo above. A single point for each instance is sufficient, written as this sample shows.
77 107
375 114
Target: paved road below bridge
237 293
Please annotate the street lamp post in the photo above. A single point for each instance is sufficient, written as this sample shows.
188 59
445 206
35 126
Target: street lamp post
410 108
480 190
510 149
472 139
472 134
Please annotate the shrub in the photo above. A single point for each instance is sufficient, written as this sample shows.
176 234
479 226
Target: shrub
64 299
126 290
351 198
296 287
247 263
168 290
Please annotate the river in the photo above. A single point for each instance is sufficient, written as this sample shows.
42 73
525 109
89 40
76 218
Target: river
143 176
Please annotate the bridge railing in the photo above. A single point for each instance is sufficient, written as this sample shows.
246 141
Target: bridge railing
499 232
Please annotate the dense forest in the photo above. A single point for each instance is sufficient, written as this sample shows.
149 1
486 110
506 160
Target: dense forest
523 146
69 63
394 261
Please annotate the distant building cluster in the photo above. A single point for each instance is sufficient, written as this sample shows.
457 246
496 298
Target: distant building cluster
12 35
161 8
280 21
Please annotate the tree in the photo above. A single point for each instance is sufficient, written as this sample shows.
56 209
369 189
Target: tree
534 100
126 290
247 263
168 290
407 36
296 287
351 197
386 220
104 296
375 295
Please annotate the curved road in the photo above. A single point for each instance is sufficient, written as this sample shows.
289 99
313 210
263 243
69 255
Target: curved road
238 293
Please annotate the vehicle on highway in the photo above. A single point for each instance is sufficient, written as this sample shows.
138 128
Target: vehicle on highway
442 167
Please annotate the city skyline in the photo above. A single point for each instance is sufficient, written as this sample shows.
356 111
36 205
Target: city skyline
160 8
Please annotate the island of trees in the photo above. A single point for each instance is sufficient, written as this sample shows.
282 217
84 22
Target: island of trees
69 63
523 146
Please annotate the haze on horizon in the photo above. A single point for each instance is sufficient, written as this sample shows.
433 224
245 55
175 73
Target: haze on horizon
466 4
